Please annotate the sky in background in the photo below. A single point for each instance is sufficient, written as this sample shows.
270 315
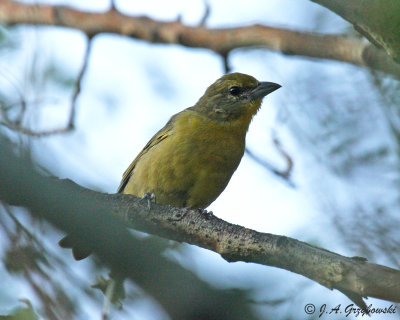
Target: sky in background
132 88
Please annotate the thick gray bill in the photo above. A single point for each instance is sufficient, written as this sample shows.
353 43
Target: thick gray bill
263 89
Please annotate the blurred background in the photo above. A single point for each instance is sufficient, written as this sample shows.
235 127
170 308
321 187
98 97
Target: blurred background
338 123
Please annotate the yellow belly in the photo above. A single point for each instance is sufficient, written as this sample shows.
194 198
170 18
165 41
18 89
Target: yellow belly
193 165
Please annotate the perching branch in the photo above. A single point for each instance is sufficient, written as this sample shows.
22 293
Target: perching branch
333 47
140 259
87 213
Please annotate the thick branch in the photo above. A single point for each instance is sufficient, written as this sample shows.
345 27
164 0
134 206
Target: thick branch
379 21
71 208
236 243
333 47
65 201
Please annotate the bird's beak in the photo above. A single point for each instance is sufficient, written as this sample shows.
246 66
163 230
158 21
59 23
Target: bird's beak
263 89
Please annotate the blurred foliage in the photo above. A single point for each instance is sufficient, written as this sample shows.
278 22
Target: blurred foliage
118 291
139 259
62 78
8 40
19 259
27 258
389 90
22 313
351 128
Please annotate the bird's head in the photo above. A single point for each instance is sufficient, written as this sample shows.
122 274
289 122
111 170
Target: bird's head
235 96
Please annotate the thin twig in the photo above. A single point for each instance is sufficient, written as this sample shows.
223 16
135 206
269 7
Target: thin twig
289 160
22 111
16 126
20 226
108 296
28 233
225 60
33 133
113 7
206 14
270 168
78 86
47 300
284 175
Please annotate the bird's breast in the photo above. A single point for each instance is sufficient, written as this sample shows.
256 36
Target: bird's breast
207 139
210 152
193 165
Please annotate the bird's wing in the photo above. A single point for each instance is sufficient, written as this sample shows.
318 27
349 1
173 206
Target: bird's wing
70 240
161 135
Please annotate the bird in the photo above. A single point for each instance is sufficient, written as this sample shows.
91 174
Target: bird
189 162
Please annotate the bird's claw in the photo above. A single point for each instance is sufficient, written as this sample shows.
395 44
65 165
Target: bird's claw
207 214
149 197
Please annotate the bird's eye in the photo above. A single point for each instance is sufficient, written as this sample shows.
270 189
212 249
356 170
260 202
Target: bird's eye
234 90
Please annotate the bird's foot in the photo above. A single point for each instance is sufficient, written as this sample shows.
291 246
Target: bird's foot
207 214
149 197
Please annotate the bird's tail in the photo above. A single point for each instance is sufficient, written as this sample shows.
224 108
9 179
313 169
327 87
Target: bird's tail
79 250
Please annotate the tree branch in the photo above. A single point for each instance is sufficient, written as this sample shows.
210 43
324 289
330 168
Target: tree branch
142 260
222 41
69 206
206 14
378 21
17 126
284 175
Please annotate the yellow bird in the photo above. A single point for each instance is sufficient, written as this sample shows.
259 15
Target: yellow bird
189 162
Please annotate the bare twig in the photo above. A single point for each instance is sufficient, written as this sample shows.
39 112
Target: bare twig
16 125
108 295
113 7
48 301
225 60
207 11
288 158
78 86
19 225
27 232
333 47
284 175
33 133
21 111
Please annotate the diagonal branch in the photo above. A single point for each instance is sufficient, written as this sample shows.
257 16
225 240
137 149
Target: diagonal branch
70 207
307 44
141 260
